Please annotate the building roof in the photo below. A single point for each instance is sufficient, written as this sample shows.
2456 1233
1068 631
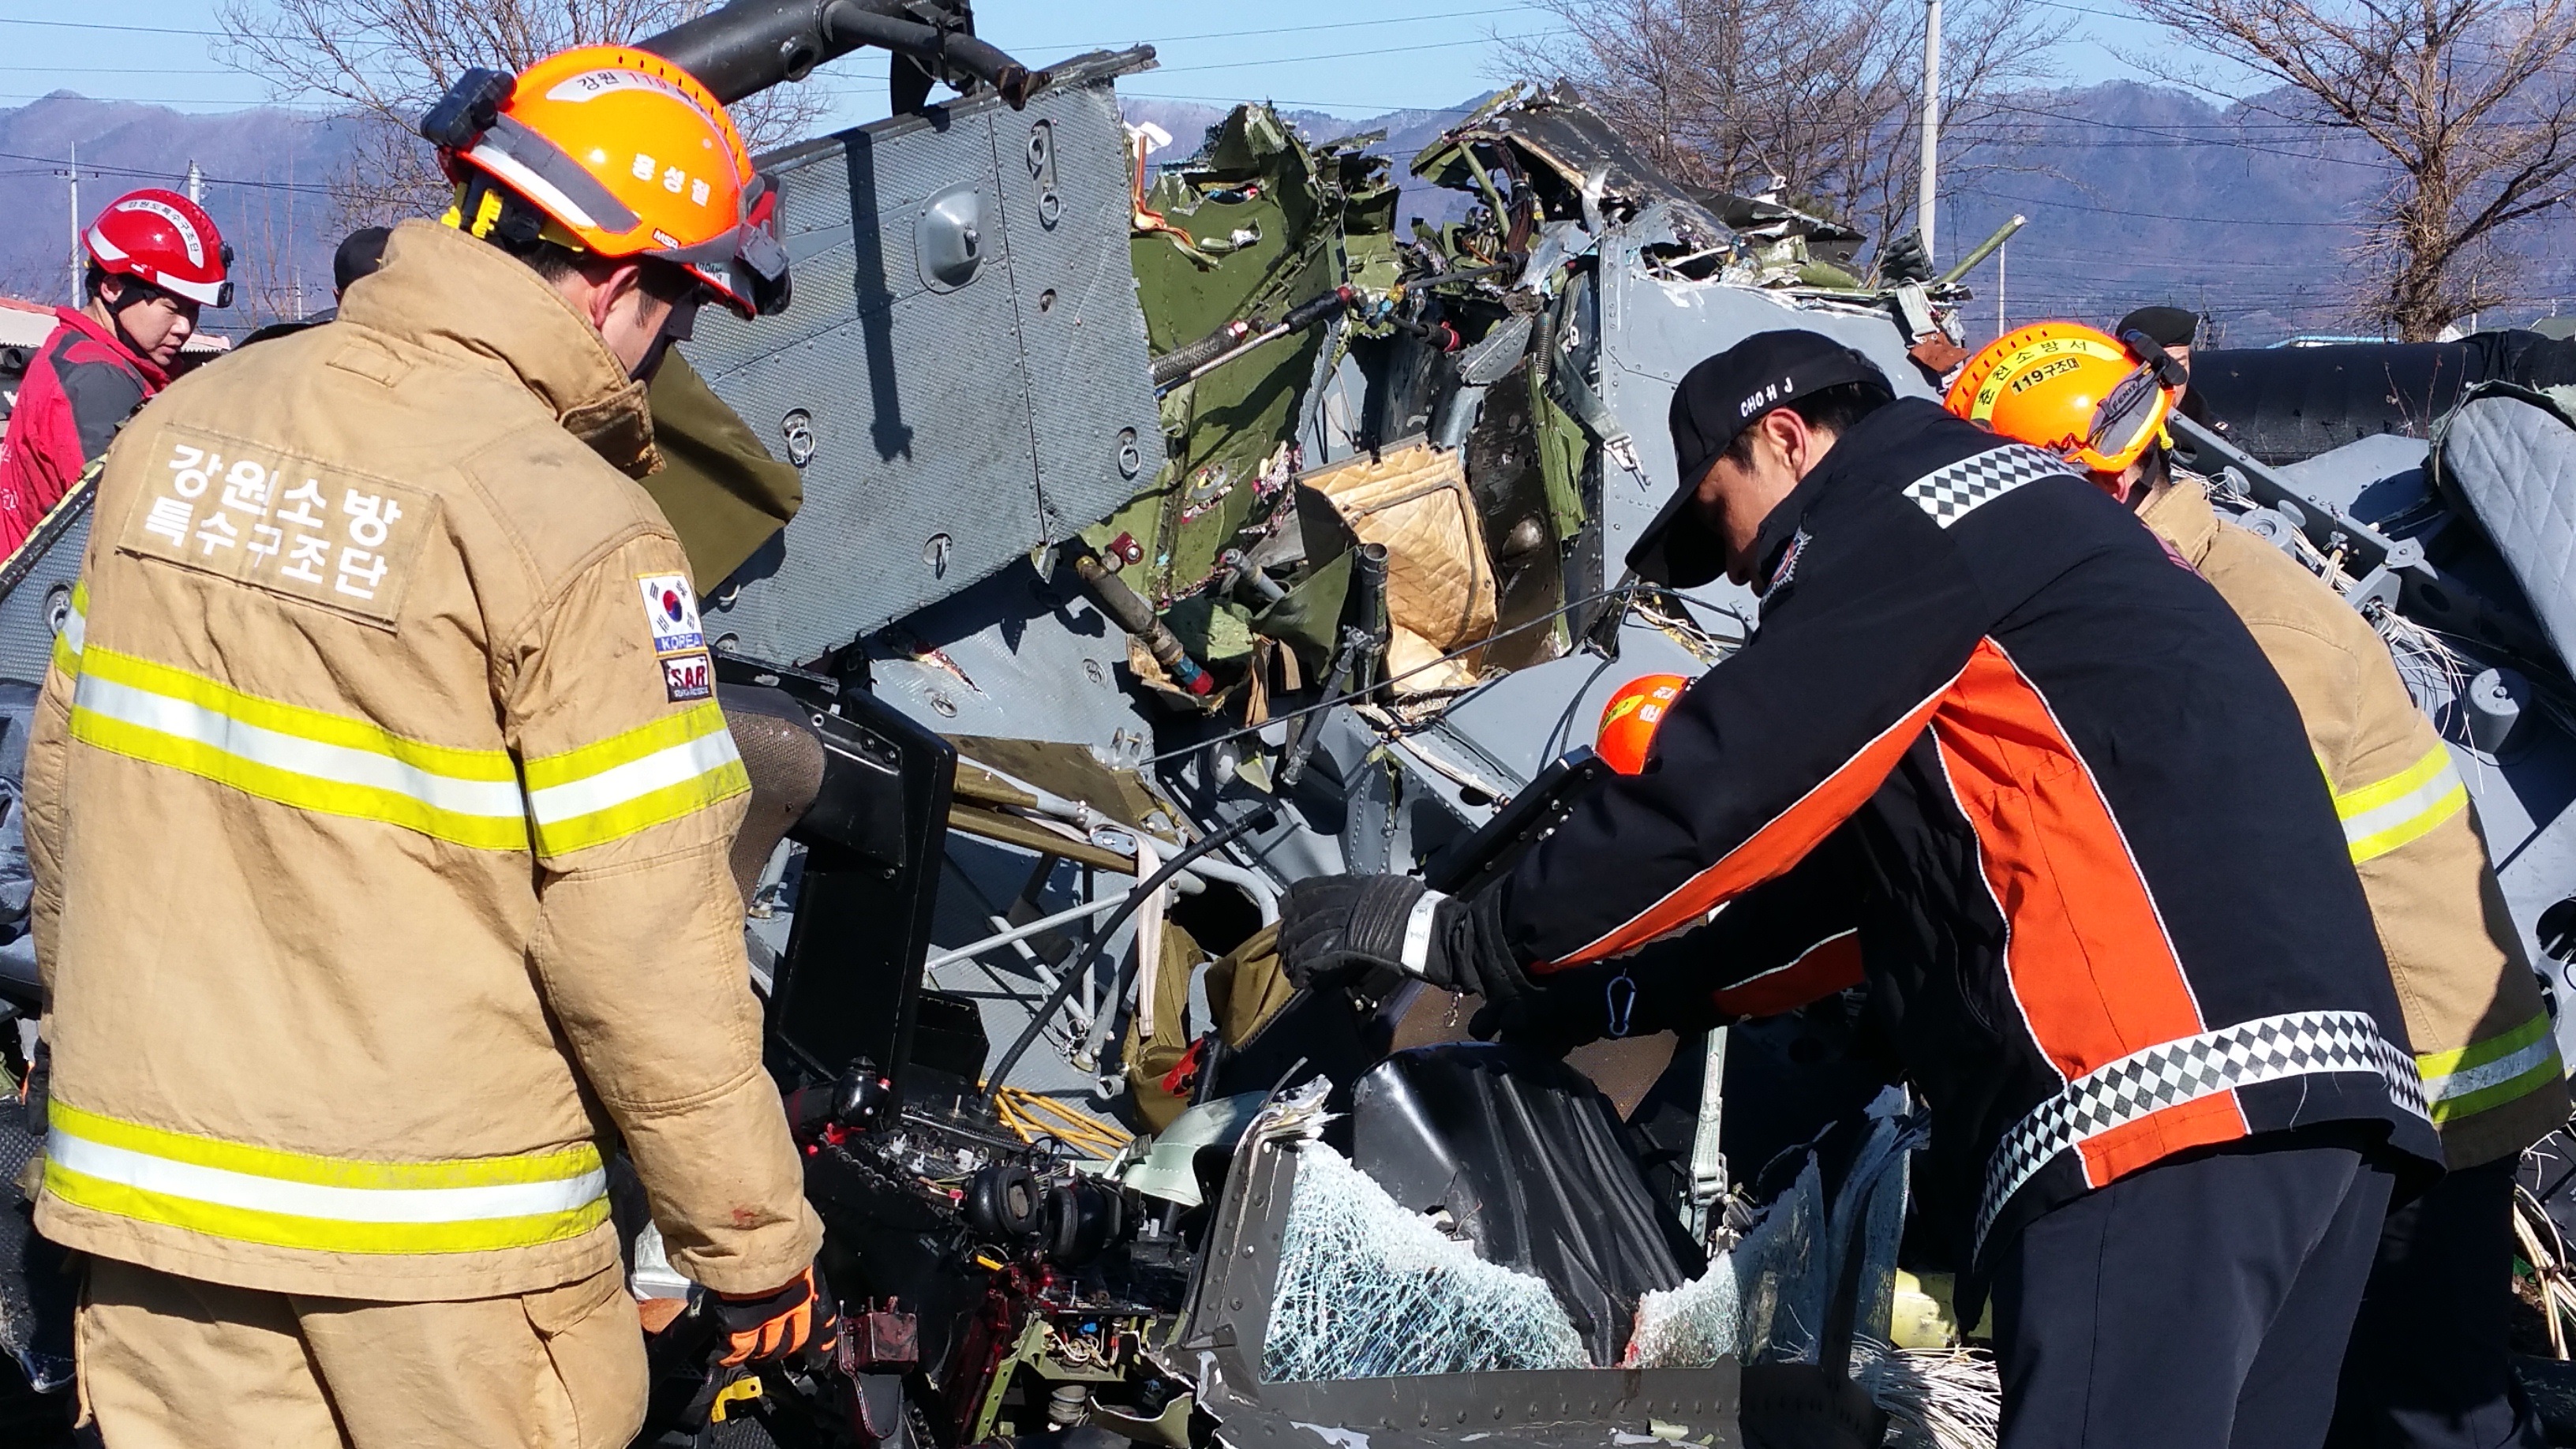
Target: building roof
24 324
27 324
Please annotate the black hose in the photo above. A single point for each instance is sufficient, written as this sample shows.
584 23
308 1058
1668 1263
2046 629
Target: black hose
1261 818
745 47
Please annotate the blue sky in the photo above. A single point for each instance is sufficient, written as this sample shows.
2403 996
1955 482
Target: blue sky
1359 57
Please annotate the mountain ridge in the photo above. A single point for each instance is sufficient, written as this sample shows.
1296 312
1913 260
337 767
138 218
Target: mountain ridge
2134 193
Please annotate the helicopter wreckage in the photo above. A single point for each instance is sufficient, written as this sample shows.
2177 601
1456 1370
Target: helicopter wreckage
1172 531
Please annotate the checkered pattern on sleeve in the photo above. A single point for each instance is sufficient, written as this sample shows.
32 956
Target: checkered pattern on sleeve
2266 1049
1953 491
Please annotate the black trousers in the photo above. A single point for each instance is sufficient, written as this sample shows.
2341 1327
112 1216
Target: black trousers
2428 1365
2202 1303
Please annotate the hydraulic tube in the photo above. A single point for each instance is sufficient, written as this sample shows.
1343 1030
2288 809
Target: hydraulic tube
1216 354
1137 617
748 46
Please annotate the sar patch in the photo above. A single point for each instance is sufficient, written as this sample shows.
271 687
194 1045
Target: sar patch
688 677
672 610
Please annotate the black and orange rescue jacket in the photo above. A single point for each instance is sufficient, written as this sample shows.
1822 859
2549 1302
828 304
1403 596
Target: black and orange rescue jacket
2068 816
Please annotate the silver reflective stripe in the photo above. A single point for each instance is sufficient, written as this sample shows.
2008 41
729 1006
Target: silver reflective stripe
2490 1074
1417 932
313 1200
675 765
337 764
2388 823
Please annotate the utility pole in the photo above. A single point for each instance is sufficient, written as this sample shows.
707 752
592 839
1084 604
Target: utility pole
1926 184
74 175
2003 254
196 183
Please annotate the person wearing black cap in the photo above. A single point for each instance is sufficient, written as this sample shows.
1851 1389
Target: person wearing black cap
2177 331
359 254
2064 814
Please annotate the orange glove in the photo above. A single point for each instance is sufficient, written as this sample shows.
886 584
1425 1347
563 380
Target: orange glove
794 1317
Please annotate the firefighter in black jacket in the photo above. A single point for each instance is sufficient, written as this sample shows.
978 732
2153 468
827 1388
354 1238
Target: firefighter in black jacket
2069 811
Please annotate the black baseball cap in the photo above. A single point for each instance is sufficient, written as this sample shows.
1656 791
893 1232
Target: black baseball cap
361 253
2164 326
1717 401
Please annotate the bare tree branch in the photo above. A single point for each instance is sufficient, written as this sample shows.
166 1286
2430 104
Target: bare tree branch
1825 95
2471 101
386 61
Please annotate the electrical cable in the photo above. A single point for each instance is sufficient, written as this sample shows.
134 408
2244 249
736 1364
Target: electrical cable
1260 819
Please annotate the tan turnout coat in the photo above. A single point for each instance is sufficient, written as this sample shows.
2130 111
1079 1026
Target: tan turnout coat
2482 1038
379 807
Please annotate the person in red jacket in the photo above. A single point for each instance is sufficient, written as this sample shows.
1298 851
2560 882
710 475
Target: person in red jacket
155 258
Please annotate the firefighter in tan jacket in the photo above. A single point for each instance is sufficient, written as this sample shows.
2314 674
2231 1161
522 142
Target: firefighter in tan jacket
2427 1362
380 807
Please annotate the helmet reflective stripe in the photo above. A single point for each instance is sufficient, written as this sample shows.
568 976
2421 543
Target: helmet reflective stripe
187 229
590 85
540 171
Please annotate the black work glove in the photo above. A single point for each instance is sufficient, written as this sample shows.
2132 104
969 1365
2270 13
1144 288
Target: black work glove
1334 929
795 1317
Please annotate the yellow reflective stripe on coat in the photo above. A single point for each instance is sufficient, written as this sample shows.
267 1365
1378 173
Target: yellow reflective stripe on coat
2487 1074
631 782
2378 818
75 631
325 1204
304 758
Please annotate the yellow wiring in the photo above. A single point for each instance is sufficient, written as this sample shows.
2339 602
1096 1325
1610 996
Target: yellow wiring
1027 1114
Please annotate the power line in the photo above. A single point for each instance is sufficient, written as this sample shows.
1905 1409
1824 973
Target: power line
2150 215
128 171
1352 54
1376 108
97 25
167 101
1277 29
2188 140
118 70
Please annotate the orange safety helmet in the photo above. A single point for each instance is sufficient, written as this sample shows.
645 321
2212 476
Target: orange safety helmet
621 153
2071 389
1630 719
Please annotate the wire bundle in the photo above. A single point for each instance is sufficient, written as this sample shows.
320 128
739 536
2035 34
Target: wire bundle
1035 1118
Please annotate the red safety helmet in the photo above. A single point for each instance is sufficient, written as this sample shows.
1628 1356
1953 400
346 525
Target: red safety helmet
1630 719
163 239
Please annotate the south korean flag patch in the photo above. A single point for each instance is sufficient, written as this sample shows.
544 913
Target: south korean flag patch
679 639
672 610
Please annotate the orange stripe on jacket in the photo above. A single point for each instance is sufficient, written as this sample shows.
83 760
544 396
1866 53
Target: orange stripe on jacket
1781 843
1822 969
2085 951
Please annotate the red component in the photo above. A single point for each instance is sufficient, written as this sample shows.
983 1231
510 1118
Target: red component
1126 550
1185 1073
165 239
881 1338
1202 682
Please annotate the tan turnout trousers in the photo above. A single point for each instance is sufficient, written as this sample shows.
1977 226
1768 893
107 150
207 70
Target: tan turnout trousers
179 1363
